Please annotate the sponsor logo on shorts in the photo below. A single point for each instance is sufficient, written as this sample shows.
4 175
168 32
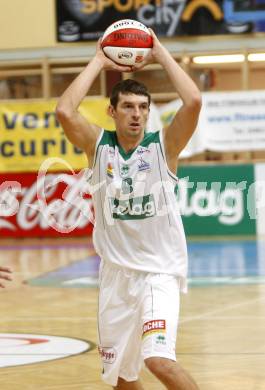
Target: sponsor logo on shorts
108 354
161 339
154 326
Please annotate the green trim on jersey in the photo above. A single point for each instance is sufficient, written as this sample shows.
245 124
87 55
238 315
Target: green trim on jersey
150 138
106 139
110 138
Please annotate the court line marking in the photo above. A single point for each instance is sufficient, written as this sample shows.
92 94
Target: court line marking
44 246
77 386
57 270
222 353
52 318
185 318
229 307
47 318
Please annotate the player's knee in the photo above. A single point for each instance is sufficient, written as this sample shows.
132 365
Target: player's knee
124 385
120 384
160 367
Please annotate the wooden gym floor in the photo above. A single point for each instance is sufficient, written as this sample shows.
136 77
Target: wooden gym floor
221 338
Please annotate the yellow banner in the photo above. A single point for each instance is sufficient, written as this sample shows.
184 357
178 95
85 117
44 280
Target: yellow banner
30 133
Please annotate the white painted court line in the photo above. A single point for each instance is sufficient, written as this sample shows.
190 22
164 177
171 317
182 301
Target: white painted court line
221 310
4 319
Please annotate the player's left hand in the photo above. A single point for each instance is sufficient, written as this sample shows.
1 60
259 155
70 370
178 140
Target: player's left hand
5 275
158 51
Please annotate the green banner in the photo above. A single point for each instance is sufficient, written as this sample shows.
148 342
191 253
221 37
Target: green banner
213 200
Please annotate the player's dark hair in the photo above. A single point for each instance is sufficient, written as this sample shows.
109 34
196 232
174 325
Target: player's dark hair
127 87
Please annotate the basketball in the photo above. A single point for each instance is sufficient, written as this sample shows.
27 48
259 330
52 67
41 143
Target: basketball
127 42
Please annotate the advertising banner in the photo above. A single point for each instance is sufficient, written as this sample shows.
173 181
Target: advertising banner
213 201
217 200
259 191
234 121
82 20
50 205
30 134
197 143
228 122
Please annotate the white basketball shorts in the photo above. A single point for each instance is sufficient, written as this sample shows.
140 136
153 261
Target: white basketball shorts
137 317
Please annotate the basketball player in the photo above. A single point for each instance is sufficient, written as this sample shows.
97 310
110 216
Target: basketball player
138 231
5 275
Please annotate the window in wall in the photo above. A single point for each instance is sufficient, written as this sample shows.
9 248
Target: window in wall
156 81
228 79
19 87
257 77
59 83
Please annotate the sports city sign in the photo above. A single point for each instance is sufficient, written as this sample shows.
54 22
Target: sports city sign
82 20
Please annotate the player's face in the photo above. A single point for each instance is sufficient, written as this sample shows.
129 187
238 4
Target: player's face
131 114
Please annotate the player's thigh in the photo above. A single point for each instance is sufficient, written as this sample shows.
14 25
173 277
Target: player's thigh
120 327
160 317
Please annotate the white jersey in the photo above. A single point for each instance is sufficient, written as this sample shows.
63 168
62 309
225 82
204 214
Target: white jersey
137 221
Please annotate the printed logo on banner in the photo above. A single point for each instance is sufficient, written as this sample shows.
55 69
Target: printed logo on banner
22 349
166 18
25 212
216 200
30 133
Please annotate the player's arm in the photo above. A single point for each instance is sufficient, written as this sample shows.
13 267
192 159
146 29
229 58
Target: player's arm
77 129
180 130
5 274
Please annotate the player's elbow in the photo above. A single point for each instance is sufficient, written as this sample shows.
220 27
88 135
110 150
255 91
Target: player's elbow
195 102
62 114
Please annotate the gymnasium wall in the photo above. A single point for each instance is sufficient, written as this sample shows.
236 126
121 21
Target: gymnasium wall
213 210
27 24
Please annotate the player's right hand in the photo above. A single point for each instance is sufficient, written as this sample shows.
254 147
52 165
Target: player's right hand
157 54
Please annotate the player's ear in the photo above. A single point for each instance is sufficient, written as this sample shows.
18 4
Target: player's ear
110 111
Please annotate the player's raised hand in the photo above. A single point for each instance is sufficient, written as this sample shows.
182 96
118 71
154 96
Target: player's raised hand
5 274
157 53
107 63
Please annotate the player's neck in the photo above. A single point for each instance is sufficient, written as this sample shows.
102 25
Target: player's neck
129 143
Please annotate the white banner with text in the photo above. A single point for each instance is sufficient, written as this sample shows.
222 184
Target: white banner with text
229 121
